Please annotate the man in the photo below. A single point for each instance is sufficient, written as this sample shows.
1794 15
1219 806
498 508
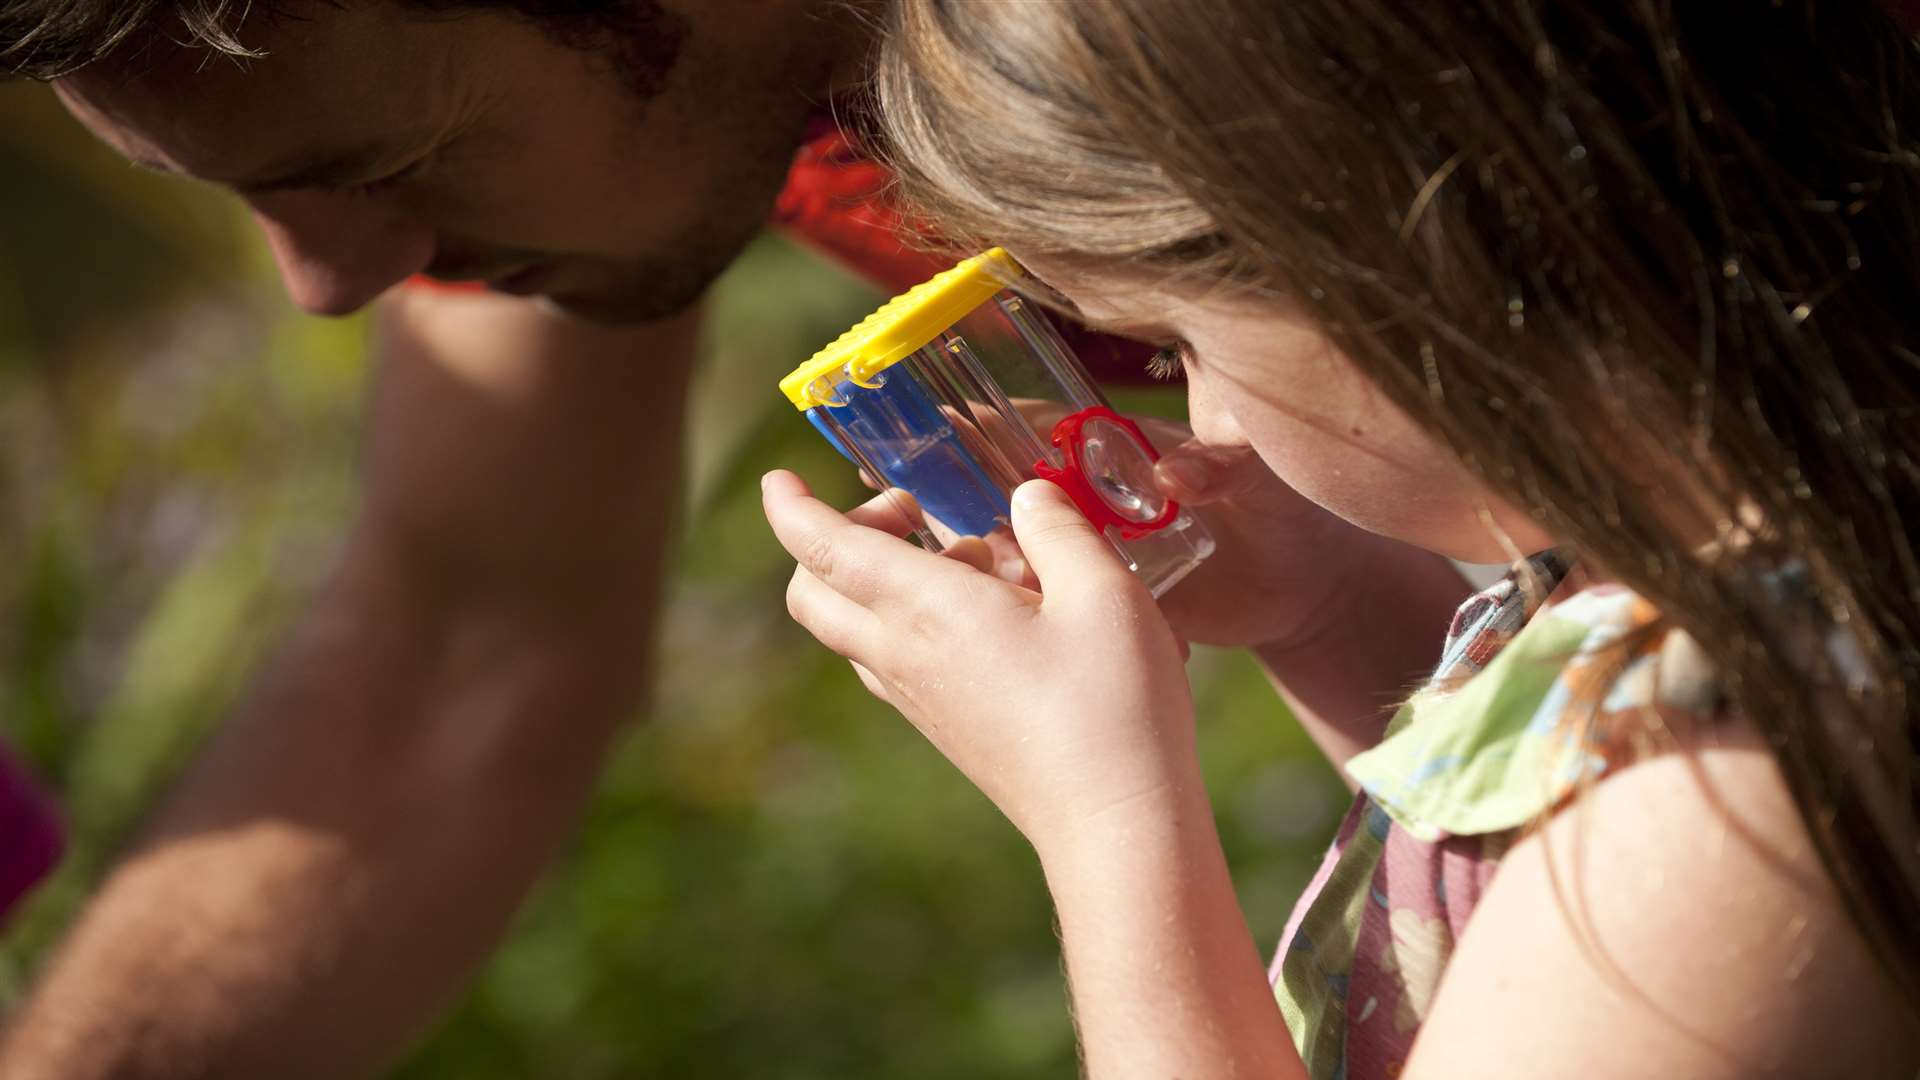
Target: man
349 846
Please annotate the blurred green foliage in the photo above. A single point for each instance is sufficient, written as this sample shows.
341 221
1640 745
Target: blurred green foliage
777 877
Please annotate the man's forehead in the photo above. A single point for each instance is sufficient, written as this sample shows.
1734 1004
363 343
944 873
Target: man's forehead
342 83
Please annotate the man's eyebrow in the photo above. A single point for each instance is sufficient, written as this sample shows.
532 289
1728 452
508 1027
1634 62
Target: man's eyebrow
334 168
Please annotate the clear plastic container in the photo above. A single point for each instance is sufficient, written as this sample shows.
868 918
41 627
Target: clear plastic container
958 391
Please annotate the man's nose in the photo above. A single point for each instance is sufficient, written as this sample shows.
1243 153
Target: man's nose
336 250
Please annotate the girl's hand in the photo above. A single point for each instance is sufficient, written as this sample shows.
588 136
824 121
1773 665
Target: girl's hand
1061 707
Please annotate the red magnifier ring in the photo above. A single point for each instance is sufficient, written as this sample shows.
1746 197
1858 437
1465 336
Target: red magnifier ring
1070 439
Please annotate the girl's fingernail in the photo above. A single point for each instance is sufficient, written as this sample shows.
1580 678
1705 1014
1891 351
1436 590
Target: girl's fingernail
765 479
1036 494
1190 475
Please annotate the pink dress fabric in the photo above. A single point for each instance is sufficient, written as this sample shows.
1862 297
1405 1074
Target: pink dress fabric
31 838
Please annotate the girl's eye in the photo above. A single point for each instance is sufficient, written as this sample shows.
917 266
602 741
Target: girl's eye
1169 363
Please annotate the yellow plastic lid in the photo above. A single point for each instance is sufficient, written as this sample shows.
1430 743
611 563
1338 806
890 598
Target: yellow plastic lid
901 326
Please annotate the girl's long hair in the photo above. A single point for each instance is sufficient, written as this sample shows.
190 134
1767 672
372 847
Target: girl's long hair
1651 269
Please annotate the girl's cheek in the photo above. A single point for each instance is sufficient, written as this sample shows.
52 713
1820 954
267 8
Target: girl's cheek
1369 470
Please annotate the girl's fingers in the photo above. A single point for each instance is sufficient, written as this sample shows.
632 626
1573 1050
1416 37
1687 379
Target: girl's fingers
835 621
1198 474
1066 553
862 564
1008 563
871 681
971 551
892 512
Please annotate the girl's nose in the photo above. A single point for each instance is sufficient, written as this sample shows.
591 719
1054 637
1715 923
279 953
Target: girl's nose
337 250
1207 411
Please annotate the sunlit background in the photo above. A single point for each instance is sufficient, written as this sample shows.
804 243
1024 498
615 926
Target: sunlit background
777 877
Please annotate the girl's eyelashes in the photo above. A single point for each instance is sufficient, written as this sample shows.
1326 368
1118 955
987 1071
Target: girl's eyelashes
1169 363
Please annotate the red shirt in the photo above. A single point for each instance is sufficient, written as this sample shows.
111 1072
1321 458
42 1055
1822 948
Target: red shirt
834 203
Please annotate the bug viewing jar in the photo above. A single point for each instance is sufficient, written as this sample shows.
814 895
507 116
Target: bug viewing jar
956 392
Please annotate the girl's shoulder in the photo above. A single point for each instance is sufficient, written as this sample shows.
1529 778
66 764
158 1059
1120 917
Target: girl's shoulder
1689 863
1507 731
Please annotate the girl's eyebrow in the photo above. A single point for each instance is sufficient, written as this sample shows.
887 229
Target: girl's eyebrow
1135 327
1038 291
1139 329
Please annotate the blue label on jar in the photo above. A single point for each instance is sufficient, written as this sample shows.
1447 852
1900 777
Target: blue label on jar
918 446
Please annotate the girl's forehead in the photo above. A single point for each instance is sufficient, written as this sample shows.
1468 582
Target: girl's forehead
1146 304
1105 296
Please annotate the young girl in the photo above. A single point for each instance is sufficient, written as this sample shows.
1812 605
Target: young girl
1623 292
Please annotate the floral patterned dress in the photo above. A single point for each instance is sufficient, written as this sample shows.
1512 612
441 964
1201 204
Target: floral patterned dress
1531 701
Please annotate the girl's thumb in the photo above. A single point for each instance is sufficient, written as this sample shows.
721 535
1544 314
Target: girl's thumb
1060 544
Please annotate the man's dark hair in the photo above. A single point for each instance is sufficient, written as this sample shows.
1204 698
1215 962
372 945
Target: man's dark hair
46 39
